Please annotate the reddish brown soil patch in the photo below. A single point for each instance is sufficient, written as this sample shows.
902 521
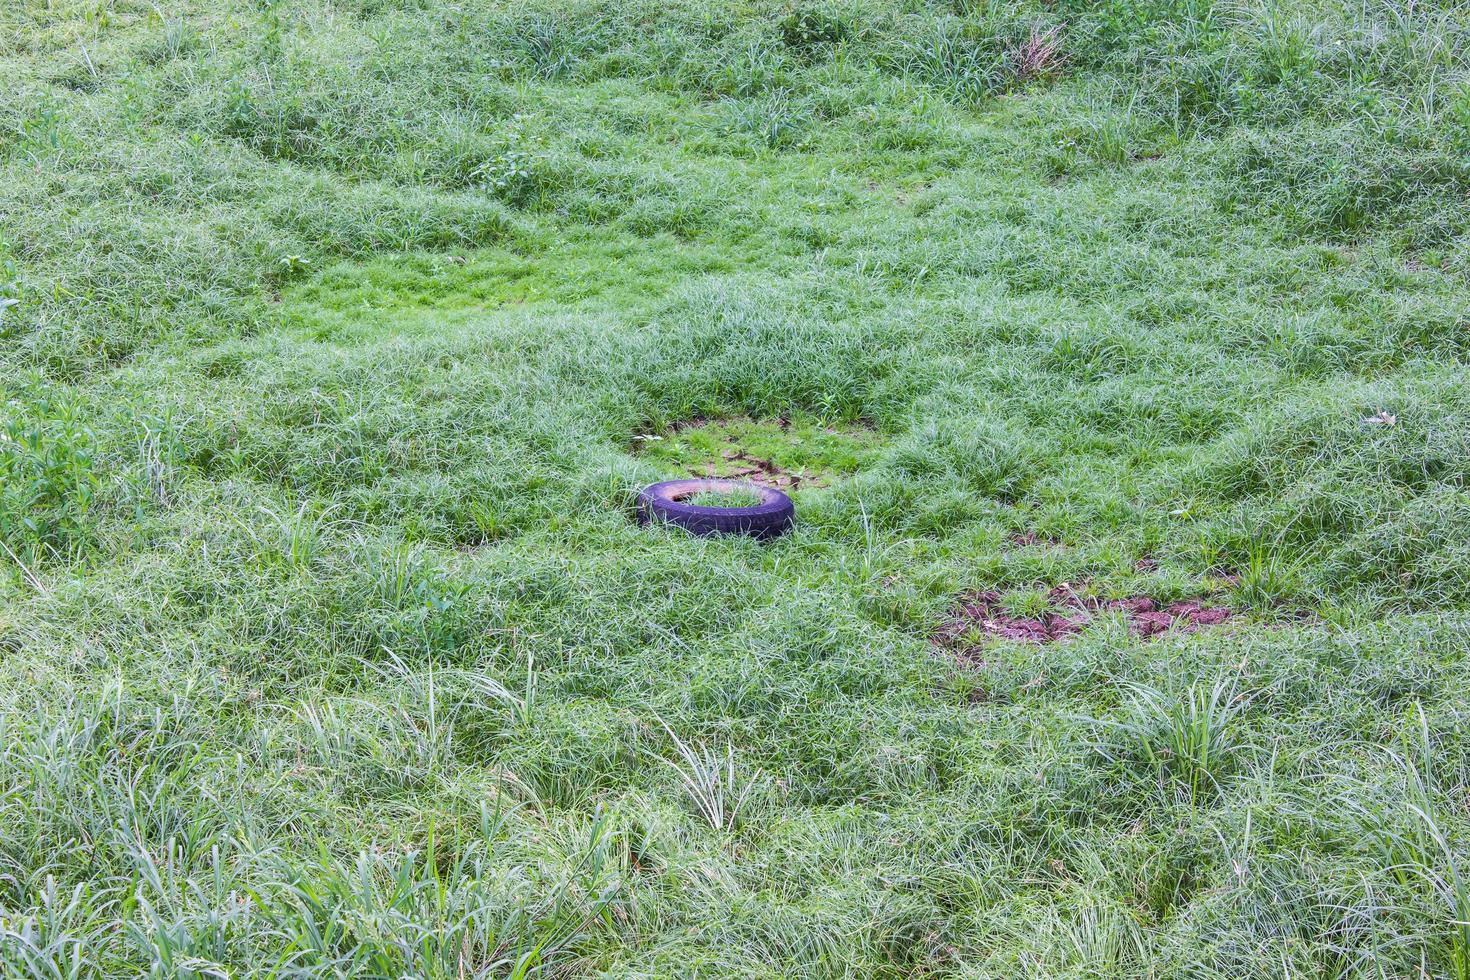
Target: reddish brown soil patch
1184 616
981 612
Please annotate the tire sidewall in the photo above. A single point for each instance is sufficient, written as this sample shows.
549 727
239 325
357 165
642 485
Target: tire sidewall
662 503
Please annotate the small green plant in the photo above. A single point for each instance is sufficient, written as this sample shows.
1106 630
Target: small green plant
178 38
521 707
507 175
1108 138
482 525
272 30
97 15
968 69
1267 578
1032 603
292 264
1459 116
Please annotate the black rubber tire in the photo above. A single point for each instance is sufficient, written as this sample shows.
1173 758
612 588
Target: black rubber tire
664 503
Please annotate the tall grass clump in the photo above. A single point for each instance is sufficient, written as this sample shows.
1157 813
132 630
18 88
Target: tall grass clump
1412 838
714 788
1190 738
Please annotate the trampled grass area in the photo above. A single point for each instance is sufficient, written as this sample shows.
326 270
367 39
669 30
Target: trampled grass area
333 338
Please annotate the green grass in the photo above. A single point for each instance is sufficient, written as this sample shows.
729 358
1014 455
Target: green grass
734 497
335 340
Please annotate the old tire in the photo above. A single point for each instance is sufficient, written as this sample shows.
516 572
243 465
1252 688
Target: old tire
664 503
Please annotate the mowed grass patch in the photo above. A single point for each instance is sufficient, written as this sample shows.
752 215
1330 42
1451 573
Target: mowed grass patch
404 294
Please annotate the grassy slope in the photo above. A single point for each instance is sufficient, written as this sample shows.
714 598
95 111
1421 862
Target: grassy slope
330 649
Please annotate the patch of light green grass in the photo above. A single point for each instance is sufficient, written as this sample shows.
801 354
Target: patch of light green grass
408 294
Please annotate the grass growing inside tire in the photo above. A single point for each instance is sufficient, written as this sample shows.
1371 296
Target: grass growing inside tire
1111 339
725 498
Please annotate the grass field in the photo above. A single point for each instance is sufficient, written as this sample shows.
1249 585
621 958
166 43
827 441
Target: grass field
336 337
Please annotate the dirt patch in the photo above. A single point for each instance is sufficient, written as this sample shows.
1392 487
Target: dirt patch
759 471
983 614
784 454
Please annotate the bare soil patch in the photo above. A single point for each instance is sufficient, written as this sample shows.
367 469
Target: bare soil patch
765 472
981 616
